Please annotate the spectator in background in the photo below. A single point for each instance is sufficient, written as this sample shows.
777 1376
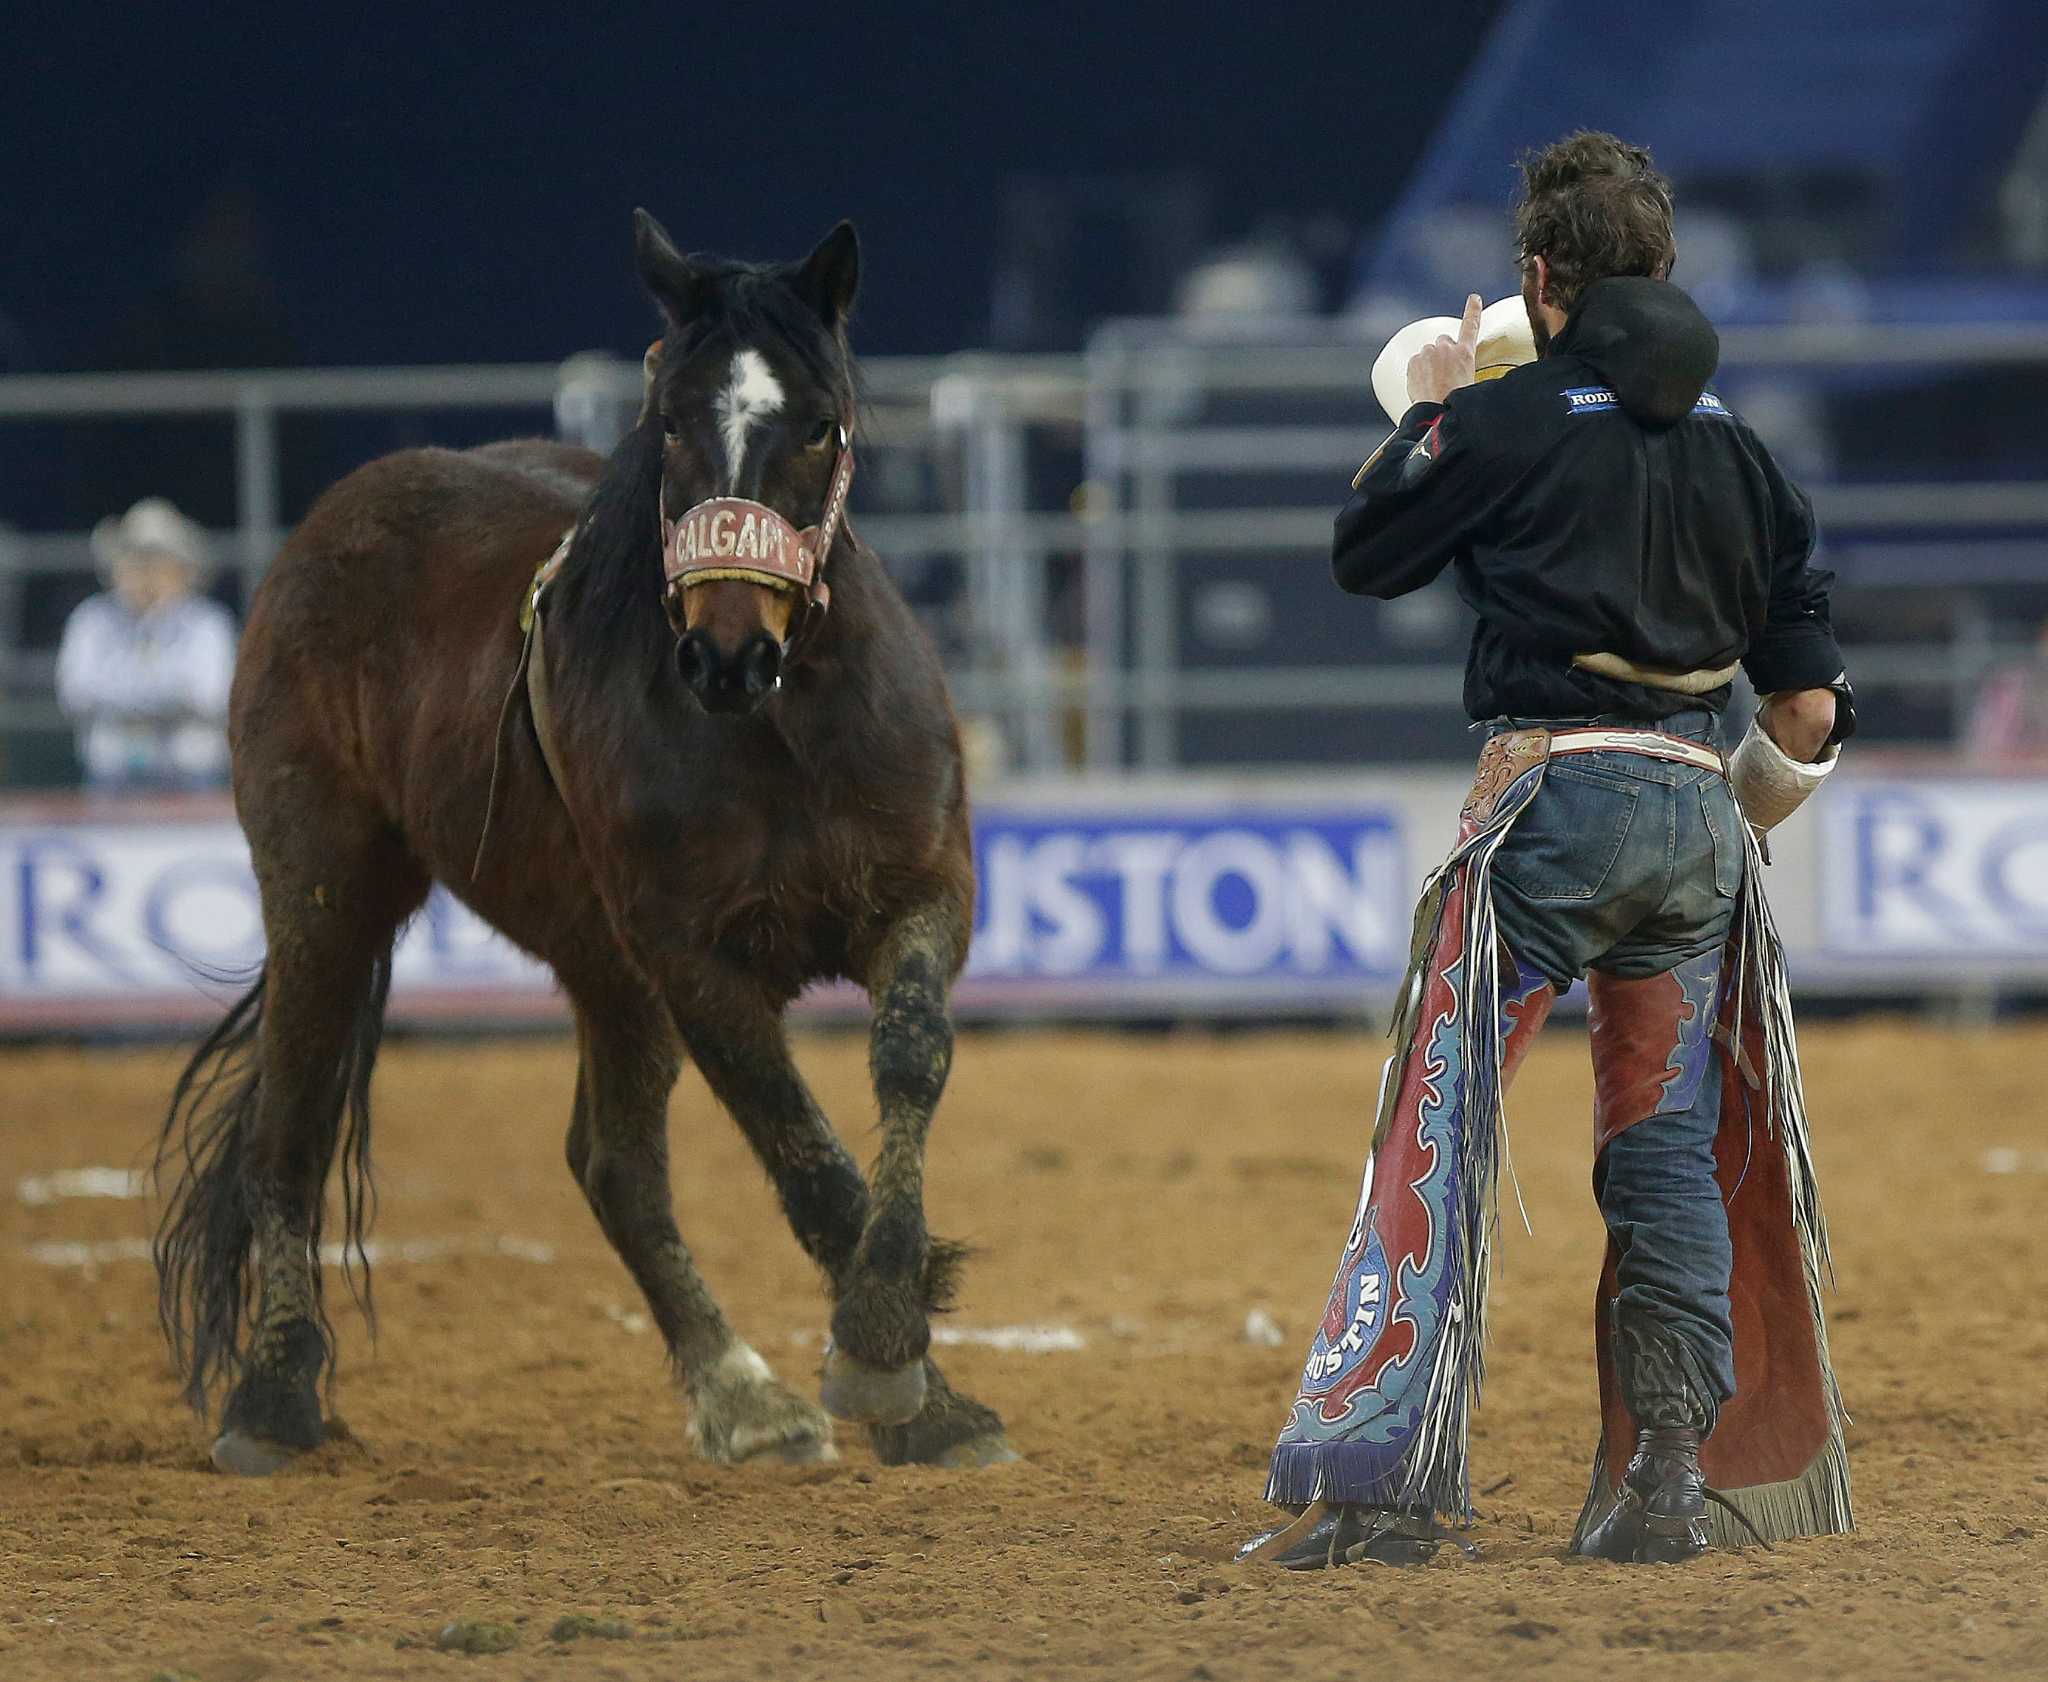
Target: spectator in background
144 667
2010 720
597 400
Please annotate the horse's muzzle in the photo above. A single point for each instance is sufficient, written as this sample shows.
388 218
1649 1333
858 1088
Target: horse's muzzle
729 683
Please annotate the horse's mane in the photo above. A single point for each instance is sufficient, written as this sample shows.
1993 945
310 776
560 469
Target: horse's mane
614 565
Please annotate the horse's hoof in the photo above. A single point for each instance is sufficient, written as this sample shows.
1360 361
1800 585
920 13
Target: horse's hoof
810 1451
853 1390
250 1457
740 1413
991 1450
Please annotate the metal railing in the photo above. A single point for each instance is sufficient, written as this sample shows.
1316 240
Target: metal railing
1161 421
1088 465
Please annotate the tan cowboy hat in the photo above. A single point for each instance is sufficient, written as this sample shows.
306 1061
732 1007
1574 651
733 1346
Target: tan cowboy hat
152 526
1504 342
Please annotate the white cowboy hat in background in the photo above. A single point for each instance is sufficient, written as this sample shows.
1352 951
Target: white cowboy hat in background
152 526
1504 342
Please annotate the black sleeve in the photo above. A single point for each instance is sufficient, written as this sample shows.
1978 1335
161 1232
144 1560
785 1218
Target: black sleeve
1412 506
1797 648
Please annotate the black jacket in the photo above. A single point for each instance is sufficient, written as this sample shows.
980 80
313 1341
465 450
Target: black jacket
1599 500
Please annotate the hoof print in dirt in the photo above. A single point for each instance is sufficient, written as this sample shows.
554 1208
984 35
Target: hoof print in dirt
576 1626
471 1635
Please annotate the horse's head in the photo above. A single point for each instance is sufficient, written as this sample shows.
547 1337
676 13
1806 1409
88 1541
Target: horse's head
752 391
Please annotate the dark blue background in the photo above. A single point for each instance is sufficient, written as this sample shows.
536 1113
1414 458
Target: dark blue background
452 182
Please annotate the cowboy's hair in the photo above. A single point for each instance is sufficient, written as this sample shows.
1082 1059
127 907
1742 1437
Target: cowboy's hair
1591 206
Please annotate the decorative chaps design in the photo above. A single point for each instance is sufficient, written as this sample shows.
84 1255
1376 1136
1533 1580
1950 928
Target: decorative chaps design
1383 1411
1384 1406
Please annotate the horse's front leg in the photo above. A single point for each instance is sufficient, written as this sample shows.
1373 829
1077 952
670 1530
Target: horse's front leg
876 1372
743 1054
618 1151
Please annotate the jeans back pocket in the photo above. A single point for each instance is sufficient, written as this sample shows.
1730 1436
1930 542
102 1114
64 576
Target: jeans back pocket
1565 845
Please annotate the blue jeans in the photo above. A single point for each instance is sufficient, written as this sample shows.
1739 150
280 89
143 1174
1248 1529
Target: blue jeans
1628 867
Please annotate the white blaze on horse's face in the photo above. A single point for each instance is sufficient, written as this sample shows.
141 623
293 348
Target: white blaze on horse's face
752 393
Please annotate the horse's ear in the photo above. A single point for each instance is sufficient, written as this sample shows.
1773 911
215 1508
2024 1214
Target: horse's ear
676 282
829 277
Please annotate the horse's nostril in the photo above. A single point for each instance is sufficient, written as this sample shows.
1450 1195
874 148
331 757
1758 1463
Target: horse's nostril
695 661
728 683
761 665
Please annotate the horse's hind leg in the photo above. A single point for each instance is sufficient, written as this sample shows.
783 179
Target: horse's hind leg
744 1056
335 888
618 1151
313 1025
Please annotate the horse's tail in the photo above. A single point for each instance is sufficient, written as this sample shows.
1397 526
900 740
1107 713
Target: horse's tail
208 1227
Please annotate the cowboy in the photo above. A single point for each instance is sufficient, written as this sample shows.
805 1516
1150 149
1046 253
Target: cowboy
144 667
1626 543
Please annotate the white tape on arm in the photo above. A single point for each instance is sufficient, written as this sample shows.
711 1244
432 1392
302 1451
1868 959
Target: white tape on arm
1770 785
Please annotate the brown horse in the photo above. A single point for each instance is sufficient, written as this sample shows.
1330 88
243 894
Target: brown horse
707 796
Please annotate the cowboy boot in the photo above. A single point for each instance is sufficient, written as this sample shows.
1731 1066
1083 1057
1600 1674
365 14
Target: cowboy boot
1660 1514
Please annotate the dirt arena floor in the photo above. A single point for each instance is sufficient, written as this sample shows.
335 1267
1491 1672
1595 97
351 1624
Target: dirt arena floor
514 1455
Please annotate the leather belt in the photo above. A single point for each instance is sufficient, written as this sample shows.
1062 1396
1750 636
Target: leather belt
1652 744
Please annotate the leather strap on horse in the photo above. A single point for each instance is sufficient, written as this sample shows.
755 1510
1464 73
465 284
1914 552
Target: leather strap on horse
735 537
531 671
537 703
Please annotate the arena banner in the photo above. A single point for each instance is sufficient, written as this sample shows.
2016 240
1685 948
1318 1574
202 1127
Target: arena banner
148 914
1147 898
1928 873
1254 899
1265 901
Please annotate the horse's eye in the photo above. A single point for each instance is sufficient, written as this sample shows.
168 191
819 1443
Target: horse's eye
669 430
821 434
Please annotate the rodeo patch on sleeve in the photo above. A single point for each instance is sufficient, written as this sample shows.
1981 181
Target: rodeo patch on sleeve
1590 400
1422 456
